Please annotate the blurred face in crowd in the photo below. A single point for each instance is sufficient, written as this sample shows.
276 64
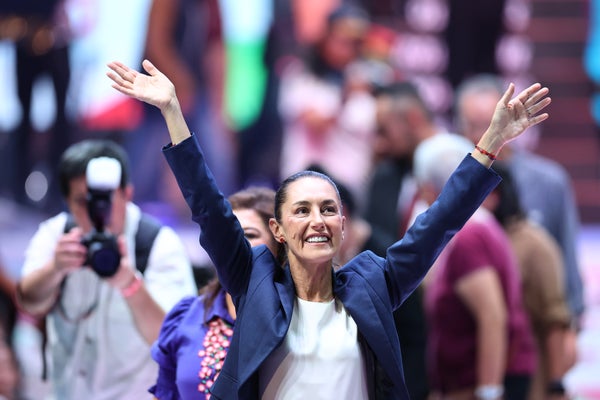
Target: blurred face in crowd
343 41
255 229
77 203
475 112
311 221
394 138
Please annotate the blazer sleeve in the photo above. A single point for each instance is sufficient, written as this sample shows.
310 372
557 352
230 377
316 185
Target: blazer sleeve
409 259
220 232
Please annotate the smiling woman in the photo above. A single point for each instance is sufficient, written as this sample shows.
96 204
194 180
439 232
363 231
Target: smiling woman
308 218
307 328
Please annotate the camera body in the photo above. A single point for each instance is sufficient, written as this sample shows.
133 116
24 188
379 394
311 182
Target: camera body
103 176
103 253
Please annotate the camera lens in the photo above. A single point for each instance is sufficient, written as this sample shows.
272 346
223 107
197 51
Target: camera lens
104 259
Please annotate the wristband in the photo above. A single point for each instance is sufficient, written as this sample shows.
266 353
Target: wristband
133 287
489 155
489 392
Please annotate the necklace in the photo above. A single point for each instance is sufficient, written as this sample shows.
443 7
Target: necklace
214 349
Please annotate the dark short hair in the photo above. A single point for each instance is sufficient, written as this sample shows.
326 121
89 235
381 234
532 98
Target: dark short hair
74 161
281 194
404 90
347 11
397 89
509 206
346 195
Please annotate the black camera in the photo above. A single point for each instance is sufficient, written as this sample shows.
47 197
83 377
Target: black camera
103 176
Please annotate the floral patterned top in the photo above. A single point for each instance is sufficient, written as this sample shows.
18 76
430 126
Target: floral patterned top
191 348
213 352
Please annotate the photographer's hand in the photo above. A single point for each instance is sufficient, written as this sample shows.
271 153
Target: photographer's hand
38 291
70 253
125 274
147 314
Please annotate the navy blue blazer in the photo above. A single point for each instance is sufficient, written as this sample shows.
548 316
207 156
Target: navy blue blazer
370 287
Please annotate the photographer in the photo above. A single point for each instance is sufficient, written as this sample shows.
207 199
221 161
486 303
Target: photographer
102 319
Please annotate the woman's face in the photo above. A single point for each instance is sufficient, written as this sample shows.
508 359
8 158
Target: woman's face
343 42
255 230
311 221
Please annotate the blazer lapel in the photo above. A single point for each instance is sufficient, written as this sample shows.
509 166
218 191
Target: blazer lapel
267 323
287 293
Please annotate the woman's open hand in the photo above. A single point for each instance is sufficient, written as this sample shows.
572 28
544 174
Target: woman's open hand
514 115
155 88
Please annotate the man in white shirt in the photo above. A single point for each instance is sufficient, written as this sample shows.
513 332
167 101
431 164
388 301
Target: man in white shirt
100 328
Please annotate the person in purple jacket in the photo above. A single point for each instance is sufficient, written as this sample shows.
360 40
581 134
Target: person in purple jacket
196 333
309 330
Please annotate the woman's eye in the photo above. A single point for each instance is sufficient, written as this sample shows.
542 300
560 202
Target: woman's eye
251 235
329 210
301 210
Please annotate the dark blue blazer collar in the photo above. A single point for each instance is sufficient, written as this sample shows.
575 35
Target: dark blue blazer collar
271 334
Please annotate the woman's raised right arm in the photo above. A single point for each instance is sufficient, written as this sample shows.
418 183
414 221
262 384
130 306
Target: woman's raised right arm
221 234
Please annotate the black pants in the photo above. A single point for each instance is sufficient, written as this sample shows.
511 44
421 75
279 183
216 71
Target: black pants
472 34
29 147
516 387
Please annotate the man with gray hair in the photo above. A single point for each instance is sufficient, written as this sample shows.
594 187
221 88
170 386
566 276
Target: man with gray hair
480 342
543 185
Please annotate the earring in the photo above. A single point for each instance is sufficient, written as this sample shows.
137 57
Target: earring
281 240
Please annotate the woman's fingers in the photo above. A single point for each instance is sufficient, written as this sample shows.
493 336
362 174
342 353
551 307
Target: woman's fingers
534 120
505 100
527 93
539 106
532 95
119 68
123 74
536 96
117 79
529 103
536 102
149 67
123 78
120 84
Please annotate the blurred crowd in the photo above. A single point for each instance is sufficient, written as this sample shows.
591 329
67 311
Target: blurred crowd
348 88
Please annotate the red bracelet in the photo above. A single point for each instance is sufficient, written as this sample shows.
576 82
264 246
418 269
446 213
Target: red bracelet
491 156
133 287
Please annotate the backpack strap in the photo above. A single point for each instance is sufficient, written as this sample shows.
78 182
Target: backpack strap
148 228
70 224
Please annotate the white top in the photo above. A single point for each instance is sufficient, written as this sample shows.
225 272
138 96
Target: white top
103 356
320 357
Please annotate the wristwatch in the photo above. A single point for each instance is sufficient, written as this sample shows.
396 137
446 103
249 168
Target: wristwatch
489 392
